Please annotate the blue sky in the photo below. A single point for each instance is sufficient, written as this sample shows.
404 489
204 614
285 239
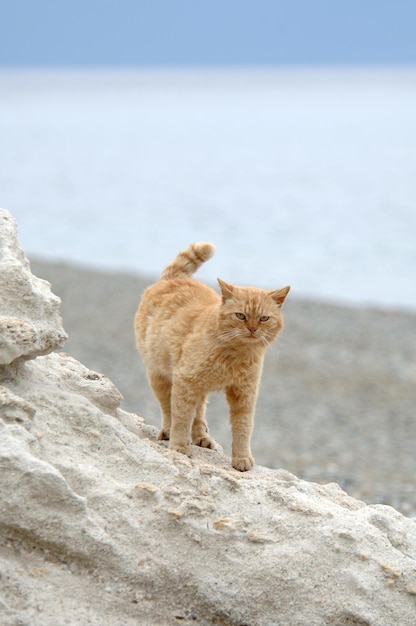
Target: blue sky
206 32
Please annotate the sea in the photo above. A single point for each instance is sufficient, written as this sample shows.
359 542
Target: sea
300 176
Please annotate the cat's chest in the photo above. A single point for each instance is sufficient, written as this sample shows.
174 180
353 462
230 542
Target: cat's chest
217 371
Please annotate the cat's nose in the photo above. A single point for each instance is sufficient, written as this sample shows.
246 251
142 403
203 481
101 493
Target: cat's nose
252 329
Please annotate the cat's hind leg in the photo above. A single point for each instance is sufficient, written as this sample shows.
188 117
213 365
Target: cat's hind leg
185 403
162 387
200 436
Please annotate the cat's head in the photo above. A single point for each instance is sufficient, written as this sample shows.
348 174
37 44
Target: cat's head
250 315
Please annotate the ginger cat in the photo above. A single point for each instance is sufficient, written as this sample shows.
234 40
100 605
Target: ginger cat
194 341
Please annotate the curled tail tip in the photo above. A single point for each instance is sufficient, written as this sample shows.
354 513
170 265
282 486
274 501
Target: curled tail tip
205 249
189 260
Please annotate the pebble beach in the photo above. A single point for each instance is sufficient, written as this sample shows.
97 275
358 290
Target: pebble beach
337 401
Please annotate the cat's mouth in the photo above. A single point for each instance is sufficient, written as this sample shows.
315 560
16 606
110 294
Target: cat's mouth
252 337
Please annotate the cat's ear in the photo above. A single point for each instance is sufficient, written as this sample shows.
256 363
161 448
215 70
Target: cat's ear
227 290
279 296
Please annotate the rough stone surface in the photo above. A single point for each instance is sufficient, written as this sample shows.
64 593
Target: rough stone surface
101 524
30 323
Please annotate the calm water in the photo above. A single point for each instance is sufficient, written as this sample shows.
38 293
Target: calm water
304 177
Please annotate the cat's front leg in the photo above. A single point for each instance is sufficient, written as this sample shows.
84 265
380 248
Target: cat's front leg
242 402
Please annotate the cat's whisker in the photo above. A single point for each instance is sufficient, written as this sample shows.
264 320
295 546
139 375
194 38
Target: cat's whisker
227 335
266 342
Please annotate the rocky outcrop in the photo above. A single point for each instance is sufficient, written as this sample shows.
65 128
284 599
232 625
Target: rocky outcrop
101 524
30 324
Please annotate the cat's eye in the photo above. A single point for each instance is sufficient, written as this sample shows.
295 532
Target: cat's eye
240 316
264 318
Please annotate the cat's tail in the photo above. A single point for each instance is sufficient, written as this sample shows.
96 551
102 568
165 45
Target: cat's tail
189 260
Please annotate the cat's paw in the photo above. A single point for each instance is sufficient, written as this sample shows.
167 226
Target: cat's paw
204 442
186 449
163 435
242 463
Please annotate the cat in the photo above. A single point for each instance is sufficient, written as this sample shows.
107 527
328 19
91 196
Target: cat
194 341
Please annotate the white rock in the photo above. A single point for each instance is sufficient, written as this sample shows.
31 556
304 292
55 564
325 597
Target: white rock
101 524
30 323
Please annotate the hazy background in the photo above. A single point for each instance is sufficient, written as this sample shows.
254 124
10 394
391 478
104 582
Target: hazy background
283 131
